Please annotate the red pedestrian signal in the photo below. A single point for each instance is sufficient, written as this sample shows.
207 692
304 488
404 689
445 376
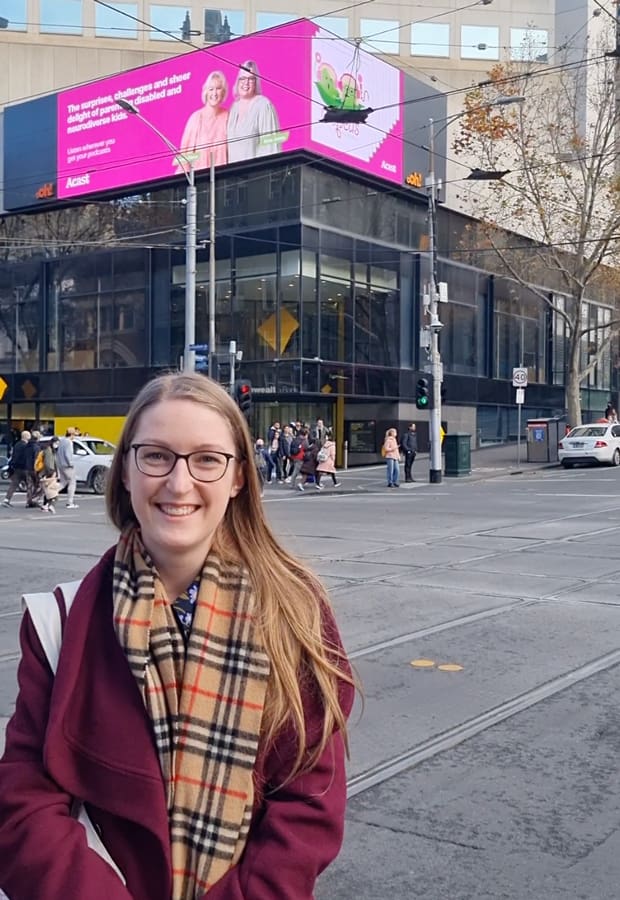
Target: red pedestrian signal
243 396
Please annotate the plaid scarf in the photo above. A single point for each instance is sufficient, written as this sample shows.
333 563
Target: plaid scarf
205 703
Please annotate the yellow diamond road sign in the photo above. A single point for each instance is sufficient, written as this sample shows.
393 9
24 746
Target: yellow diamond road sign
3 387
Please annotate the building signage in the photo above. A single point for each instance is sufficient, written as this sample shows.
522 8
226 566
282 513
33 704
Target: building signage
415 179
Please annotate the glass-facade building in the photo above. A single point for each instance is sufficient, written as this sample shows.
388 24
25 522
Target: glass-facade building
320 280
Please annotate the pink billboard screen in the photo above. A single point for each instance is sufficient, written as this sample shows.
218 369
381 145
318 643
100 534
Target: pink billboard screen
251 97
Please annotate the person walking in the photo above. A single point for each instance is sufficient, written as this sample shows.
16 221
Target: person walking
391 454
260 461
319 432
18 467
200 707
409 446
66 469
308 465
326 461
299 445
49 477
33 488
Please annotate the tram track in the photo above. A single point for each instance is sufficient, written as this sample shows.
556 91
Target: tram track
458 734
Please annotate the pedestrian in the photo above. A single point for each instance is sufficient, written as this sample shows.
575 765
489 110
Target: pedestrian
66 469
326 461
202 691
50 485
286 439
308 465
34 492
275 456
409 447
319 432
391 454
18 467
260 461
299 445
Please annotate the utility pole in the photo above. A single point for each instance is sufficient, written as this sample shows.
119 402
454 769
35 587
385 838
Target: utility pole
434 325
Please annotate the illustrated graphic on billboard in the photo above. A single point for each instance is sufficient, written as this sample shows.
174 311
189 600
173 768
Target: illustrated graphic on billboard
350 79
248 98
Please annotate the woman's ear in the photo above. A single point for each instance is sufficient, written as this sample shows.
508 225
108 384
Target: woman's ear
238 480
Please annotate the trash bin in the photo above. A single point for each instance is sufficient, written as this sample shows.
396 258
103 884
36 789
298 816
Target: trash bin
457 450
542 440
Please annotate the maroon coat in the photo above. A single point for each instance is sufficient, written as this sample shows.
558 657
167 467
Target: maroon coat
86 734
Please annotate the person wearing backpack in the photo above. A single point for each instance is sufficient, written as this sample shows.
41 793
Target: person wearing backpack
33 487
308 465
18 467
326 461
299 445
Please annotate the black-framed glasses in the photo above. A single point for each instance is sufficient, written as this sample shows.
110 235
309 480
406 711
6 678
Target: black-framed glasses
203 465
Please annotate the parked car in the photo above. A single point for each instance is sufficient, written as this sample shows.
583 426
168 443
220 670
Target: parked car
92 457
597 443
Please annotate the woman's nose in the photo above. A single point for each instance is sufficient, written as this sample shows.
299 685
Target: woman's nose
180 478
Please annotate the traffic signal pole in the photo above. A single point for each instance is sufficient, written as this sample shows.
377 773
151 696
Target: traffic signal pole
434 324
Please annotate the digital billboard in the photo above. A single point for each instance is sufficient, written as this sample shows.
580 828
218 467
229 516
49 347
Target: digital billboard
251 97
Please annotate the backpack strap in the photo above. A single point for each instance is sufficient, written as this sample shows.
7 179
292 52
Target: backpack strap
45 615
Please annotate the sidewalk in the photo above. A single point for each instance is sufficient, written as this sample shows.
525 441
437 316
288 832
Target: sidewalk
488 462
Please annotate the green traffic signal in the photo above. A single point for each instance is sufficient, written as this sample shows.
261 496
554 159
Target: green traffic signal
422 394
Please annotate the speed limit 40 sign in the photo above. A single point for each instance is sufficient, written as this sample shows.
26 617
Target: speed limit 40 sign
519 378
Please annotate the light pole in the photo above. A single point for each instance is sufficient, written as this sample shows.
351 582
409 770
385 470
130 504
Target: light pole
189 359
434 324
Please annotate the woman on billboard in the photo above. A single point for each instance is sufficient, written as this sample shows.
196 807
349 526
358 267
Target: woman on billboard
253 127
205 130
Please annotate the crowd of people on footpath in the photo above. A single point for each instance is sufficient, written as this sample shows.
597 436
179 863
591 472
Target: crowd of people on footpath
392 450
297 454
44 466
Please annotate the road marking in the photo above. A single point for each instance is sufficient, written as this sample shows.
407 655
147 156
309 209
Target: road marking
422 663
465 730
450 667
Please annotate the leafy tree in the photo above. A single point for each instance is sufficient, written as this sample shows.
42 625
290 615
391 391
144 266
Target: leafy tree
554 219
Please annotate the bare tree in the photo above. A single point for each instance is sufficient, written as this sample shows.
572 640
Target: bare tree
554 219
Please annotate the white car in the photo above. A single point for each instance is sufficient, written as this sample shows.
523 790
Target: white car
92 457
596 443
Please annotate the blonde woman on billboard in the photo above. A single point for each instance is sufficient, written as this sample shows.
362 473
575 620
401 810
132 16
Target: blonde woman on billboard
252 120
205 130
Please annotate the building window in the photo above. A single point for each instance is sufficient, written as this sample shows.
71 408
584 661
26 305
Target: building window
271 19
380 35
117 22
223 24
15 12
61 16
336 24
430 39
167 22
529 44
478 42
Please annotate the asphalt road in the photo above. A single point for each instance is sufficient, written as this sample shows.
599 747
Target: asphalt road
496 777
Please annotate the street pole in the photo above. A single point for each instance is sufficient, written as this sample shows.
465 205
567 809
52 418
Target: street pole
212 348
434 324
189 358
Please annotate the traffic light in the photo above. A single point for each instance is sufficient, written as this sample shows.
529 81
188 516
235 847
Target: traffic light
422 395
243 396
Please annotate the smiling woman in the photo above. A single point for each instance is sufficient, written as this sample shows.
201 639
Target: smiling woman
226 765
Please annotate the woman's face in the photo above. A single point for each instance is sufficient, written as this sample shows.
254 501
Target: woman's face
214 94
246 85
179 515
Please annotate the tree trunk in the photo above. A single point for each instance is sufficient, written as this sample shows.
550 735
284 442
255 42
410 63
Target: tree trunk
573 381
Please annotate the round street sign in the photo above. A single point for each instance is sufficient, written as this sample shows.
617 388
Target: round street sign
519 378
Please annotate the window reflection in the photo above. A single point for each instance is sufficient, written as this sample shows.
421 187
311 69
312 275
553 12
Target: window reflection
430 39
529 44
118 22
15 12
479 42
61 16
380 35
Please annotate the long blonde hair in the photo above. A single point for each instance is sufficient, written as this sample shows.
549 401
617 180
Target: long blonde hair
290 597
